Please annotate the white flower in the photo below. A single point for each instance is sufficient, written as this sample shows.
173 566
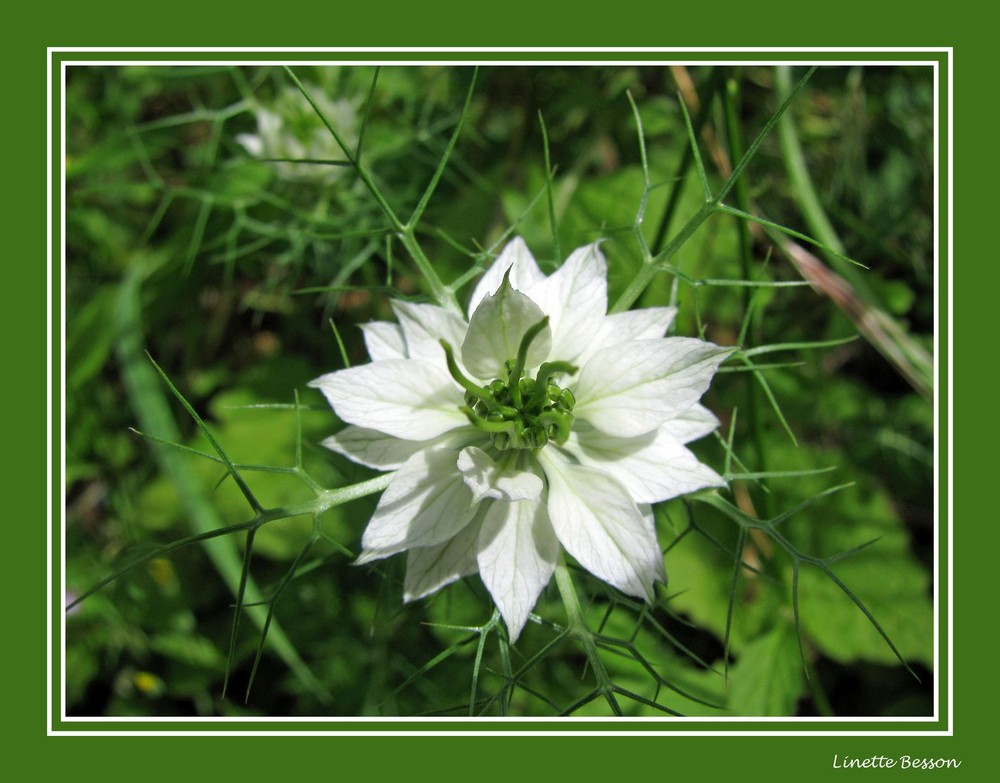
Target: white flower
542 422
290 128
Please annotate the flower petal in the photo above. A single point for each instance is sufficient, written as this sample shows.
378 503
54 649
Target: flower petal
426 503
599 524
407 398
251 143
372 448
696 422
649 519
575 297
652 467
524 272
379 451
384 341
629 390
496 330
424 326
487 480
645 324
430 568
517 555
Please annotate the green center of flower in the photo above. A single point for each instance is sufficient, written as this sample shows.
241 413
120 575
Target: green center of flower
519 412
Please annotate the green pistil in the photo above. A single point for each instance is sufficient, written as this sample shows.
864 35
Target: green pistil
513 380
476 392
519 412
543 388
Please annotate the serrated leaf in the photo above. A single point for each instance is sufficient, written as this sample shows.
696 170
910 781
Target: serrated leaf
893 587
768 678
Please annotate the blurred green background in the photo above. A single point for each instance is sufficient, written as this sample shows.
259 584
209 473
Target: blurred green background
228 269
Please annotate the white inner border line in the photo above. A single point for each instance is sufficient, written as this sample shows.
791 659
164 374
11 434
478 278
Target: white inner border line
48 404
512 62
949 383
507 49
948 51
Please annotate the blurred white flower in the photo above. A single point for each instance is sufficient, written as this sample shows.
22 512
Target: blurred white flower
290 128
542 422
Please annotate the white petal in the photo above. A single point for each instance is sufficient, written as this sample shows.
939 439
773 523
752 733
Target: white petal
652 467
696 422
251 143
430 568
372 448
426 503
269 124
384 341
523 272
407 398
649 519
495 332
379 451
424 326
599 524
517 555
645 324
632 389
575 297
486 479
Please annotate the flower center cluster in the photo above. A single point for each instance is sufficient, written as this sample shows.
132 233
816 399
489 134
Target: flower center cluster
543 413
519 412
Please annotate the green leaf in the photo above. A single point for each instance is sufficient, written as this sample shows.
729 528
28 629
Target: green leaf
768 678
893 586
267 437
241 182
886 576
191 649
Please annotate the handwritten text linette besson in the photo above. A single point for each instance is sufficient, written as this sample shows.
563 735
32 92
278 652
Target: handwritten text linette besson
888 762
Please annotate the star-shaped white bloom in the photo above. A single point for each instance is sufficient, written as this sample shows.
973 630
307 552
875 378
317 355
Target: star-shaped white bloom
542 422
289 128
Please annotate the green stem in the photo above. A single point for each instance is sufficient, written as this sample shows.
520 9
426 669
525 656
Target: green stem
711 85
327 499
806 196
571 601
731 99
578 628
145 393
798 172
442 293
654 266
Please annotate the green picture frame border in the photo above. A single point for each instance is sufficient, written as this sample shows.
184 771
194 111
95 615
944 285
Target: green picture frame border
968 736
940 59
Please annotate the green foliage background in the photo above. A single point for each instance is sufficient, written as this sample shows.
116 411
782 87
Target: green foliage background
182 245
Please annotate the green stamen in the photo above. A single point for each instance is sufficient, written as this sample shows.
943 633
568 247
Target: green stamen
518 412
476 391
487 425
557 425
546 371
